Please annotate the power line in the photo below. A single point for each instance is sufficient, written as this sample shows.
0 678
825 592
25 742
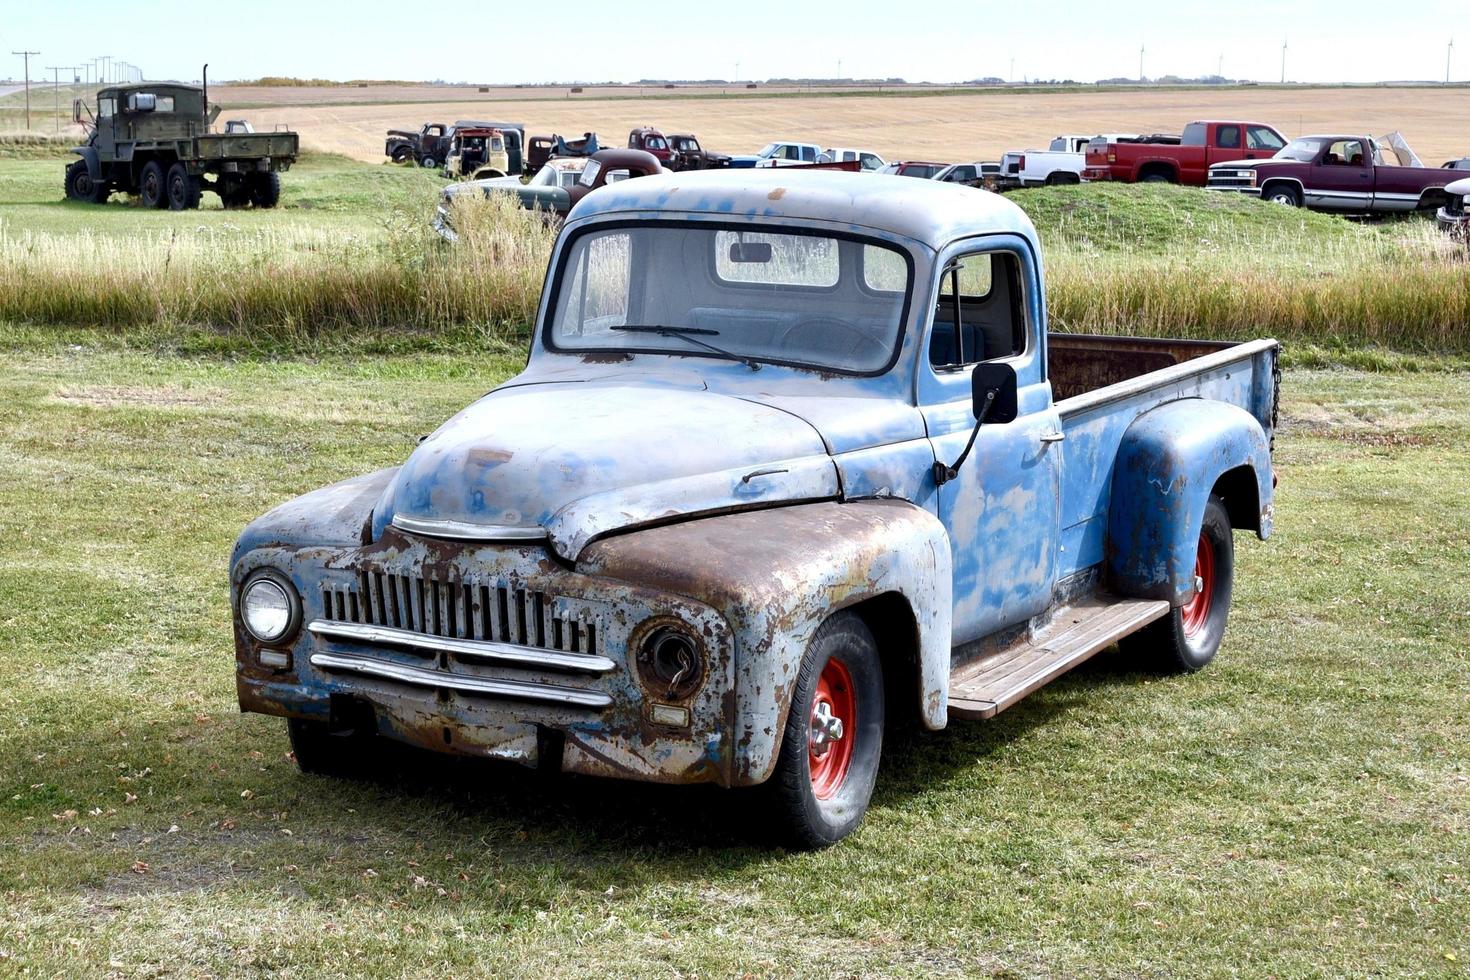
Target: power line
27 56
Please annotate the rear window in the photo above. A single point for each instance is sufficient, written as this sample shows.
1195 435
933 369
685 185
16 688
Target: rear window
796 260
1194 135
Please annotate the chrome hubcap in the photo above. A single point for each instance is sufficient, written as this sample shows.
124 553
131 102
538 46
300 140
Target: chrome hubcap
826 729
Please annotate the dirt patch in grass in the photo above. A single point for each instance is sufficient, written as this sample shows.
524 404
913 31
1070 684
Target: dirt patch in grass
136 396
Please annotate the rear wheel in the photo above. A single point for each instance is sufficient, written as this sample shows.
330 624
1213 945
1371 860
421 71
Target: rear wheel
833 738
319 751
151 185
183 188
265 189
1156 178
1189 637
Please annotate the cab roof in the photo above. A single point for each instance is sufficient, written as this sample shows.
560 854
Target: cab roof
926 211
151 87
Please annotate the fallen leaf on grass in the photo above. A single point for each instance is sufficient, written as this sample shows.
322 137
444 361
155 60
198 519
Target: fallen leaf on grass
140 867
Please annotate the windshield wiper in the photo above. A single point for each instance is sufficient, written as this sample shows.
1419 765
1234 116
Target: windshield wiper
688 334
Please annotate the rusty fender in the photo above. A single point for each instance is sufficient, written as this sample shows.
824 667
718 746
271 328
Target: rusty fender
775 575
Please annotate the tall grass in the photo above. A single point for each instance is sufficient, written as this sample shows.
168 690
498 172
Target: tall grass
1169 261
291 279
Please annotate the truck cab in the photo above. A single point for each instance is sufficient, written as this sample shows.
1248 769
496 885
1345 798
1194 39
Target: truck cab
652 141
789 458
1184 159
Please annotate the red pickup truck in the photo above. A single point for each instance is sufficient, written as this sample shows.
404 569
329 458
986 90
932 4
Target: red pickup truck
1182 159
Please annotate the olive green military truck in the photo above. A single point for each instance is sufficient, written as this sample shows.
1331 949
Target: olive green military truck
153 139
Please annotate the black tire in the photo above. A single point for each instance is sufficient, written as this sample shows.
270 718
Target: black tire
1061 177
265 189
319 751
402 155
151 185
233 192
821 798
1282 194
182 188
1188 638
428 162
1156 178
81 187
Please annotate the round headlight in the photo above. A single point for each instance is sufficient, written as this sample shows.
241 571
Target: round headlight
670 659
269 608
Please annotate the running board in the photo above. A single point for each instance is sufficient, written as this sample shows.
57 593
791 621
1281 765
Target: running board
988 686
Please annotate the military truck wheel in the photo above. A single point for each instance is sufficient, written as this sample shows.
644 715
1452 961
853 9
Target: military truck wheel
1189 637
834 736
183 188
151 185
265 189
319 751
81 187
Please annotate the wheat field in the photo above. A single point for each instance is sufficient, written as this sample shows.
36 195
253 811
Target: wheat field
906 124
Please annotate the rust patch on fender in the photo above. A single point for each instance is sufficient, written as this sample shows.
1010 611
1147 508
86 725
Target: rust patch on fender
776 194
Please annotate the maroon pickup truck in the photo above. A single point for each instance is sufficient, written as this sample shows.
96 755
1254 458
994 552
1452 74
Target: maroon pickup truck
1182 159
1357 174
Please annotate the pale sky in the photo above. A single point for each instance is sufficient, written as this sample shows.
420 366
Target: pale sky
576 41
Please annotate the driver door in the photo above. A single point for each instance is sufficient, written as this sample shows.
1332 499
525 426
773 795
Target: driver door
1342 177
1002 509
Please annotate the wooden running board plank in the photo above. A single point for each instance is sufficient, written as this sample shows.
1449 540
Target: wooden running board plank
984 690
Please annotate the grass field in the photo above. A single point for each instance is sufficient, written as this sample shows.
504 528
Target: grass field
1300 808
350 252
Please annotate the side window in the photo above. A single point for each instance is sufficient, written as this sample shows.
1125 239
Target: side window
809 154
1228 137
979 315
789 152
1194 135
165 103
602 300
1261 138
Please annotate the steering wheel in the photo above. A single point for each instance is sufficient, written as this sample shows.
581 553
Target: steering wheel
834 328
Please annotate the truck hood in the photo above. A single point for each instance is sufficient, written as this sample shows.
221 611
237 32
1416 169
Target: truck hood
570 462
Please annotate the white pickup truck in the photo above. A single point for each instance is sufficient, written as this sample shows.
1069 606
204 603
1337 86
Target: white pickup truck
1060 163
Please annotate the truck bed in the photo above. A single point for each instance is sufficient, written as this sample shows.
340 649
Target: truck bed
1102 384
251 146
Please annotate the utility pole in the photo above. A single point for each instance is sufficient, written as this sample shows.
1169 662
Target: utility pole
55 71
102 75
27 56
1283 61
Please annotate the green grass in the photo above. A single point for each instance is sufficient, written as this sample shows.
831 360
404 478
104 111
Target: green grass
1300 808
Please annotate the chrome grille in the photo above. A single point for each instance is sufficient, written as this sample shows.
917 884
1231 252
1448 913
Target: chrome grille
462 610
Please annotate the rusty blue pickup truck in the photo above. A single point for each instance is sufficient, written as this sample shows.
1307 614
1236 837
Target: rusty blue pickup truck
792 458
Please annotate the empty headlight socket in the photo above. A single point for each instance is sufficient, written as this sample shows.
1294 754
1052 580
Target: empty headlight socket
670 663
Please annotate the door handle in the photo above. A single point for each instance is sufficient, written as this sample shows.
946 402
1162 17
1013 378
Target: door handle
1050 437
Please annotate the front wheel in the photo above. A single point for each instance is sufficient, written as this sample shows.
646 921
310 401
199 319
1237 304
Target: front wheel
833 738
428 162
319 751
81 187
1283 194
1188 638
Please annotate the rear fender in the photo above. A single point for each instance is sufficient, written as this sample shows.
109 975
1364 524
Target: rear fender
1168 464
775 576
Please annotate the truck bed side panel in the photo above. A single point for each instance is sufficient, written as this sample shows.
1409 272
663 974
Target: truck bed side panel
1095 422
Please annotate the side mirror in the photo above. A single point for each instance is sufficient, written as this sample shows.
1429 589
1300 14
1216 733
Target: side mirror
993 387
76 110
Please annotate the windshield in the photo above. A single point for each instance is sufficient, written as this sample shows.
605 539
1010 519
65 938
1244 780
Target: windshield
804 298
1303 150
769 150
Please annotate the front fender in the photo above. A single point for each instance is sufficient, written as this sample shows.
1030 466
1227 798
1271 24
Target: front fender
94 164
334 516
775 576
1169 462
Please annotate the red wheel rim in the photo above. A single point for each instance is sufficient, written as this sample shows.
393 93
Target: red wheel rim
1196 612
833 727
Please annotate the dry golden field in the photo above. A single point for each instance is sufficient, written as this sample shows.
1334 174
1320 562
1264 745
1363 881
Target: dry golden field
916 124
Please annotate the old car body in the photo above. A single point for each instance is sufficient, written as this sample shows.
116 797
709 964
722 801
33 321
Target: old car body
1184 159
688 154
653 142
1334 172
1452 215
478 153
153 139
923 169
779 153
557 186
744 419
866 159
430 146
1062 162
